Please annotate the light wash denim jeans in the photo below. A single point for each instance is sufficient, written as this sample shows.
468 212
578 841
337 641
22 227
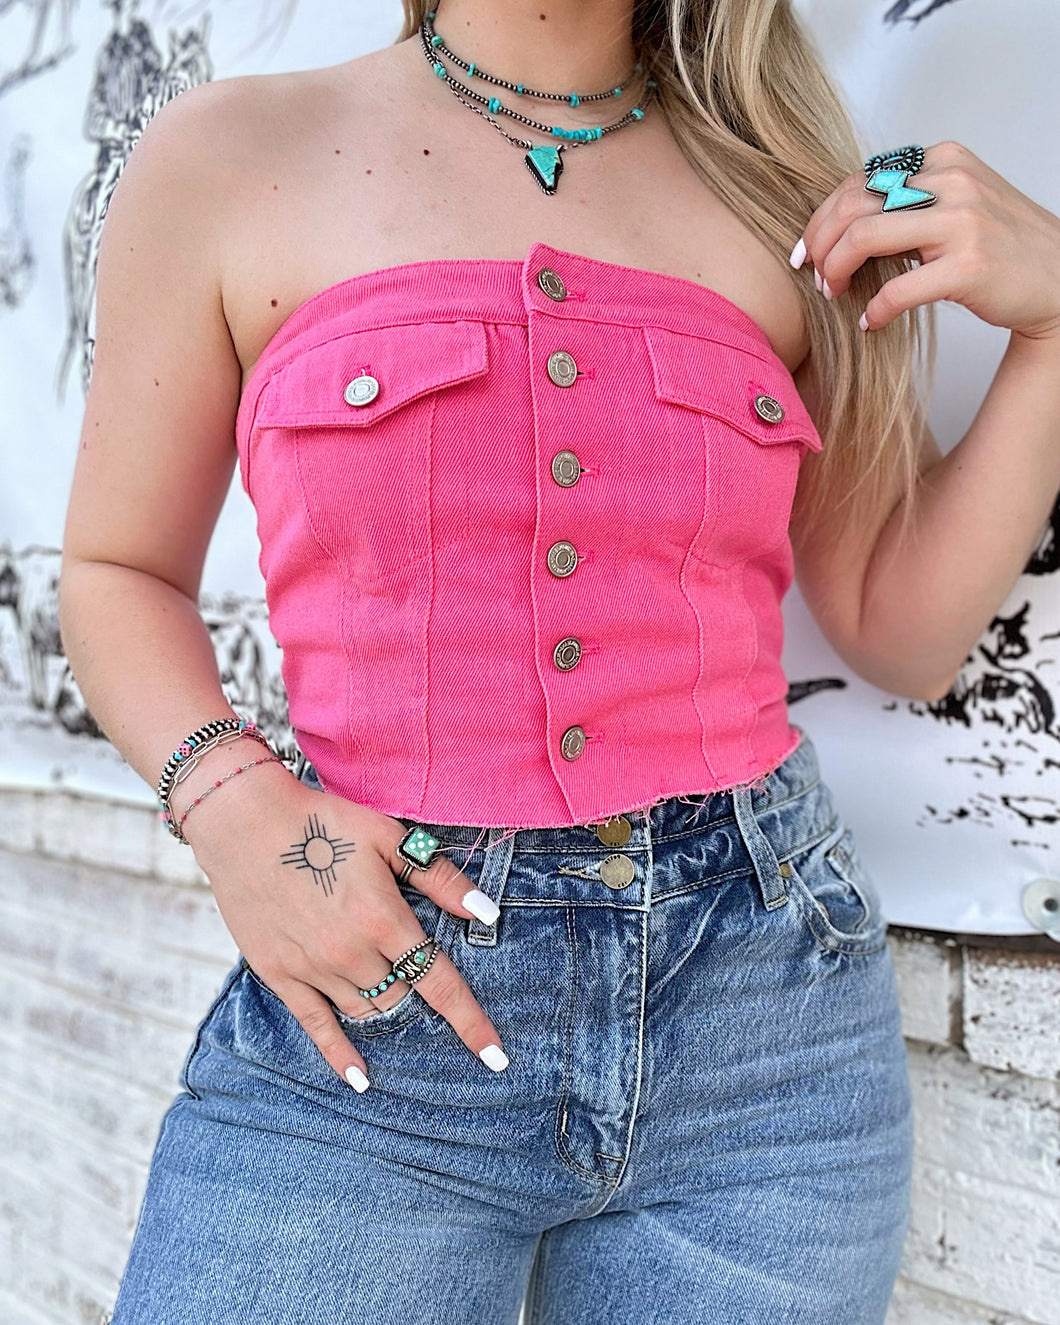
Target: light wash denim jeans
706 1116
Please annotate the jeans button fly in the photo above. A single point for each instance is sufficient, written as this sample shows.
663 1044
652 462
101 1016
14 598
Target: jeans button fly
617 871
615 832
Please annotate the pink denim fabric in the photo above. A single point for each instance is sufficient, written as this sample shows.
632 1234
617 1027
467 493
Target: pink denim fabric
404 542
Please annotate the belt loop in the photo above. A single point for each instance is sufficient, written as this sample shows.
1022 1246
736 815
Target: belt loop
764 858
494 876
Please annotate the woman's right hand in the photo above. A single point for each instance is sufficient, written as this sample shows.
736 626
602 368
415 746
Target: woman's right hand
306 883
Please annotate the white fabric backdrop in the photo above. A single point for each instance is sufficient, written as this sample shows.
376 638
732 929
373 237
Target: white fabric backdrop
956 805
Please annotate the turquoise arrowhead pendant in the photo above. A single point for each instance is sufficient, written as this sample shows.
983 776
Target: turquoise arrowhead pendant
898 196
546 165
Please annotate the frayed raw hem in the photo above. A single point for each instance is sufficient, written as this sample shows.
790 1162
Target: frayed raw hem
690 798
697 799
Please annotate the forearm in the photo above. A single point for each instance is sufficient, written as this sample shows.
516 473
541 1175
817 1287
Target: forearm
980 512
143 659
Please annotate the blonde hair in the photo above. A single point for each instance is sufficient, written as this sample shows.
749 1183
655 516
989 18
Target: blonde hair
754 112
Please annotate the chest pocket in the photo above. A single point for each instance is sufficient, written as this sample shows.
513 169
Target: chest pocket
350 423
755 430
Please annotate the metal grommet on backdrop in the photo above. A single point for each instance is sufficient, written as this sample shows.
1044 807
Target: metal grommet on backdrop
1041 906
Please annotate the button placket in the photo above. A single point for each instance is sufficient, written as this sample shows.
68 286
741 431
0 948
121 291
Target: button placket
562 368
563 558
566 468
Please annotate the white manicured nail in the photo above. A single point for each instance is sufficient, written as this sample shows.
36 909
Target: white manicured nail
494 1056
817 278
798 254
863 322
356 1078
482 906
826 289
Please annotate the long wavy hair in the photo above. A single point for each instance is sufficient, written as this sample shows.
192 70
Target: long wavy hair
750 104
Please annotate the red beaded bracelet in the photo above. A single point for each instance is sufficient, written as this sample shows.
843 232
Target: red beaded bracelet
271 759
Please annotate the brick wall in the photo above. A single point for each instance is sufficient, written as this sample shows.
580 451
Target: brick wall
111 947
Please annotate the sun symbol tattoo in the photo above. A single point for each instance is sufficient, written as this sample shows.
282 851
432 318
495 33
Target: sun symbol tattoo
319 853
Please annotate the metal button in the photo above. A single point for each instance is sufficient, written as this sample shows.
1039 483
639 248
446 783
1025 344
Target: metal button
617 871
615 832
573 743
562 368
566 468
562 558
769 408
362 390
567 654
552 283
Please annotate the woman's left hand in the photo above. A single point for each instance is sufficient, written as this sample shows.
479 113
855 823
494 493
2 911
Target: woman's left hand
983 244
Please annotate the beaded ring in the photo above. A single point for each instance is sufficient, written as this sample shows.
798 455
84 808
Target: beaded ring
410 966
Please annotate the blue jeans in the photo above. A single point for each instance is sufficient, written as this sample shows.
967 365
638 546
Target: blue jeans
706 1116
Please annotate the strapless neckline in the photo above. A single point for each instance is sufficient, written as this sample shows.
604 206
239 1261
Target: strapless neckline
462 268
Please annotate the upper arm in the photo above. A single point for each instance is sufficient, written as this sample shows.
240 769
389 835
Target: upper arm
156 451
830 571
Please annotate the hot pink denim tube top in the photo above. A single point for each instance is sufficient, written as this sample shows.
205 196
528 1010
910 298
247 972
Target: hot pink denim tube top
524 536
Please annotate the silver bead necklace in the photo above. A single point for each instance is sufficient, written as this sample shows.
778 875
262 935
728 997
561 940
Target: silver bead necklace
543 160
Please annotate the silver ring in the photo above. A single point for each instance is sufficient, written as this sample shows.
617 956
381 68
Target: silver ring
416 849
413 963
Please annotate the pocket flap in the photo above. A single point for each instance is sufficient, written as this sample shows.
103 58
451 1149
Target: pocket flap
723 379
406 361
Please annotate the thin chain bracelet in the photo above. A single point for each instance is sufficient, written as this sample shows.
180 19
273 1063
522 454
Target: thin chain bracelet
190 751
270 759
192 762
204 733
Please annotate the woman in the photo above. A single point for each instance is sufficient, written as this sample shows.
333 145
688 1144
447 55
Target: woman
560 974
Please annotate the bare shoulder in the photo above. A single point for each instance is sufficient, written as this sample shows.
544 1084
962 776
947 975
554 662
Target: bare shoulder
240 131
157 432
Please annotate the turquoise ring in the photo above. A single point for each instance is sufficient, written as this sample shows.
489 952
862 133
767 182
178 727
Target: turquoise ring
412 963
887 173
416 849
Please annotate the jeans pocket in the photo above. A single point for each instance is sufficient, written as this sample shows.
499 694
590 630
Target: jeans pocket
837 895
433 920
381 1021
227 986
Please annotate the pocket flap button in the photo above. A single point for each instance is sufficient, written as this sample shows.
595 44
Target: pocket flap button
361 391
769 408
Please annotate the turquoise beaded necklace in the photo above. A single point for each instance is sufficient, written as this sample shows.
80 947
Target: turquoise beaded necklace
543 160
